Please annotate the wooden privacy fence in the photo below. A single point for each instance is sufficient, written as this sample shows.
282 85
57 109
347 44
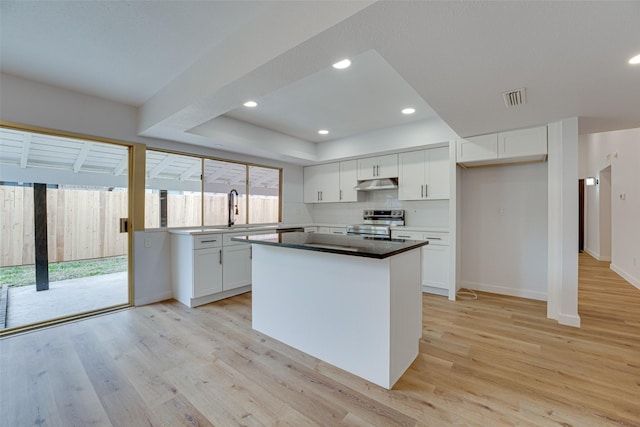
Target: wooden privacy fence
81 224
84 224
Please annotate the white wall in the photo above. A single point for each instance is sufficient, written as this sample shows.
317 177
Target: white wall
31 103
604 199
504 230
152 272
621 150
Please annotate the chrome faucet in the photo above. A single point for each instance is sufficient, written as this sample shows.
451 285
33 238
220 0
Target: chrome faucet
233 203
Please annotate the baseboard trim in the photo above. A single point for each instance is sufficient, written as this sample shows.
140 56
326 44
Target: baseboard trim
153 298
503 290
569 320
626 276
435 291
592 253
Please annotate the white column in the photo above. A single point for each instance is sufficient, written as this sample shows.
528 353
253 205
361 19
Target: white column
562 300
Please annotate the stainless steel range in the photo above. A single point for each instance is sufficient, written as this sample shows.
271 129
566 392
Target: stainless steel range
377 223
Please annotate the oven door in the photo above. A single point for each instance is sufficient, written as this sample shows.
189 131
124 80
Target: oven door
369 230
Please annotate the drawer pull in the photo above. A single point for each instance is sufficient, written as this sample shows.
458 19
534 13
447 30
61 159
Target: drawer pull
433 238
208 241
404 237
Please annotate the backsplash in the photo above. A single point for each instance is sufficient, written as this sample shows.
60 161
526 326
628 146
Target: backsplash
417 213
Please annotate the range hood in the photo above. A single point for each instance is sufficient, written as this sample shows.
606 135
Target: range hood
377 184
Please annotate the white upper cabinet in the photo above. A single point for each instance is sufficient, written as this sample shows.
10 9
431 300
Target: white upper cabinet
348 181
378 167
322 183
525 145
330 183
424 174
478 148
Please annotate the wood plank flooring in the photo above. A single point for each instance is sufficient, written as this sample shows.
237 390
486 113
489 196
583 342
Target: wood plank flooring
495 361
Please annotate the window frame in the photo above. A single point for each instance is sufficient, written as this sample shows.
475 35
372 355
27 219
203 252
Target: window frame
247 165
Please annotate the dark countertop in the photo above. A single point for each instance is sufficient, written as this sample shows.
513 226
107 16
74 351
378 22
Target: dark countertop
335 244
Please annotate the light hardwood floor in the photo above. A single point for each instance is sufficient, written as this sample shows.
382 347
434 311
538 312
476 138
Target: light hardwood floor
491 362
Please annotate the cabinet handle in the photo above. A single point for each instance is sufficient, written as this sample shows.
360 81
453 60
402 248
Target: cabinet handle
221 256
421 191
433 238
321 195
426 192
404 237
337 232
208 241
340 194
377 170
250 252
374 170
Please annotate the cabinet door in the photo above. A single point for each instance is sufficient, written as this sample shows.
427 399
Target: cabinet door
476 148
435 266
387 166
367 168
310 186
438 168
348 180
207 272
236 266
329 183
411 175
523 143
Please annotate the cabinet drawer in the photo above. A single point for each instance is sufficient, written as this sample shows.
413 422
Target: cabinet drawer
207 241
331 230
436 239
409 235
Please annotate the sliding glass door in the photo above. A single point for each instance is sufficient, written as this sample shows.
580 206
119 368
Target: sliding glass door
64 251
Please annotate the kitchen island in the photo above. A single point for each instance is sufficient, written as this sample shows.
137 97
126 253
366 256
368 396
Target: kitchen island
350 301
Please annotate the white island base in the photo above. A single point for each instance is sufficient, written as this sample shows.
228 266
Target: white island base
363 315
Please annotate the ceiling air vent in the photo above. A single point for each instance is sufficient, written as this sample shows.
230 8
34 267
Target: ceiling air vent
513 98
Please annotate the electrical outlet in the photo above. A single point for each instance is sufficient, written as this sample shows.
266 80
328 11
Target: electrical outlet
147 243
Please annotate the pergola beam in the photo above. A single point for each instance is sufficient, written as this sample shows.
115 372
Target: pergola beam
160 166
217 174
121 166
190 171
82 156
26 145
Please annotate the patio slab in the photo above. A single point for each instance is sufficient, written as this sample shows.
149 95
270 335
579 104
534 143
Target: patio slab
65 298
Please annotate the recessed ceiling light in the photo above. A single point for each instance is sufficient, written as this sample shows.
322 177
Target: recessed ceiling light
250 104
408 110
341 65
323 132
635 60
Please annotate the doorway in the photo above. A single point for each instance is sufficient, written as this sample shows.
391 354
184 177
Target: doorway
63 253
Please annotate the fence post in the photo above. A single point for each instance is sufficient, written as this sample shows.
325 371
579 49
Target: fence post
40 232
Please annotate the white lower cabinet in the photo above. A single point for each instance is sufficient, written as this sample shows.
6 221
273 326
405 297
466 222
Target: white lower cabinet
435 259
435 266
208 267
237 266
207 272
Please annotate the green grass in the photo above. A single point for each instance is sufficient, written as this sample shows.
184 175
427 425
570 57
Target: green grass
26 274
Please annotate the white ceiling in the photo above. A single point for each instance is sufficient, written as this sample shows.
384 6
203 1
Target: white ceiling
190 65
